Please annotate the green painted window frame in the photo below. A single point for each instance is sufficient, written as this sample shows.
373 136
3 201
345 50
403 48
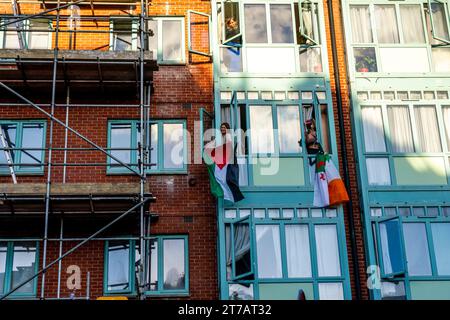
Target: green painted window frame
250 157
25 34
8 270
132 258
19 139
374 44
134 153
427 220
319 43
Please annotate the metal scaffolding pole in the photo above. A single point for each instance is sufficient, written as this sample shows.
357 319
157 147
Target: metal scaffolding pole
61 234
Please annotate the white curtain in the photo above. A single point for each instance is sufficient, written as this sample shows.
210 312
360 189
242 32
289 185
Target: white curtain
40 39
261 126
327 250
441 59
331 291
446 116
373 129
412 25
400 129
289 129
361 27
268 251
378 173
310 60
297 251
386 21
427 129
387 264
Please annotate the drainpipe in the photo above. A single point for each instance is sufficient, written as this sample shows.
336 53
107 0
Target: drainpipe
344 149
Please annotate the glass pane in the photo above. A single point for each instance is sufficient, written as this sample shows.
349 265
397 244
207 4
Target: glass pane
273 213
244 213
325 128
446 118
11 38
230 213
173 145
121 138
427 128
39 39
298 251
391 248
24 266
316 213
118 266
288 213
404 211
327 247
365 59
432 211
232 23
375 212
3 252
400 129
281 23
378 172
153 39
310 59
289 129
393 291
268 251
441 59
32 137
261 126
231 60
416 246
174 269
390 212
259 213
331 291
122 35
9 134
310 23
361 27
255 23
302 213
442 95
419 211
412 24
238 291
172 40
441 243
331 213
242 253
153 265
154 146
373 129
386 24
439 21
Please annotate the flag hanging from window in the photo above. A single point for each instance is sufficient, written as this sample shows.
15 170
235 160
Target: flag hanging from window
223 172
329 189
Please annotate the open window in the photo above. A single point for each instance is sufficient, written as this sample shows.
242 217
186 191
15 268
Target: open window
309 23
230 30
390 253
439 20
240 264
199 24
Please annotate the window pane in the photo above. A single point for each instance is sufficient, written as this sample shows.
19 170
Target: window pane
242 254
412 24
121 138
239 291
416 246
9 134
172 40
268 251
255 23
153 265
118 266
331 291
393 291
310 23
261 126
24 262
154 146
327 248
446 118
378 172
3 252
365 60
122 38
153 40
173 145
39 39
325 128
427 128
232 23
174 269
231 60
441 59
373 129
281 23
439 21
32 137
11 38
289 129
361 27
400 129
310 59
441 242
391 249
297 251
386 23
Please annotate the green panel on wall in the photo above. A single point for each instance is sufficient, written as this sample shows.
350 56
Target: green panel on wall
278 172
285 291
430 290
420 171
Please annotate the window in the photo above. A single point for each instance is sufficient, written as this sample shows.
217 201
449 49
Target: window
386 22
373 129
281 23
261 125
255 23
441 243
289 129
416 247
28 135
268 251
172 40
32 34
331 291
391 248
361 27
167 145
400 129
298 251
327 247
412 25
124 35
429 139
39 38
18 262
167 264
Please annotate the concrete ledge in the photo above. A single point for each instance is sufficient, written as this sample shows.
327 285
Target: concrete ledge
72 188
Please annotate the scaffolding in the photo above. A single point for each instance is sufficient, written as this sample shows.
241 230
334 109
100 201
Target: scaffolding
60 62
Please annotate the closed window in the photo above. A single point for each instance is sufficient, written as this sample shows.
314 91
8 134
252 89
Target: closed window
441 243
39 38
416 247
268 251
172 40
281 23
255 23
373 129
412 24
361 26
429 139
261 125
289 134
119 273
298 251
386 22
327 248
400 129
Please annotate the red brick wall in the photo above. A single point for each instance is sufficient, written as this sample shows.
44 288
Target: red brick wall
174 87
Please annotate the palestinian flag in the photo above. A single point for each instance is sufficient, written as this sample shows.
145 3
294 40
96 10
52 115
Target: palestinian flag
329 189
223 172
